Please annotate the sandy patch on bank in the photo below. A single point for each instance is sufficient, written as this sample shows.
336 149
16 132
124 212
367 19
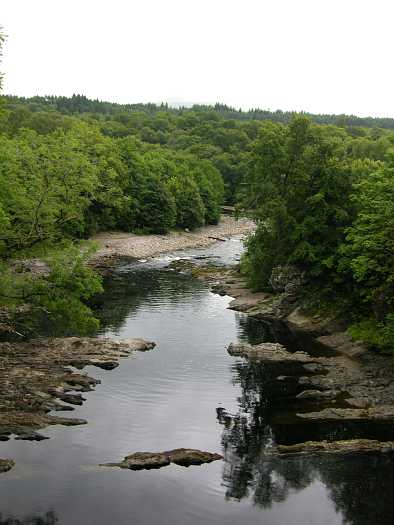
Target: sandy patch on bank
121 244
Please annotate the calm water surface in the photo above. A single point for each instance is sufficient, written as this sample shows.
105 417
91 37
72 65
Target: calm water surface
167 398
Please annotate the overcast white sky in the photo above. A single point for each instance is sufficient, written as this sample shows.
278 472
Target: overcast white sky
322 56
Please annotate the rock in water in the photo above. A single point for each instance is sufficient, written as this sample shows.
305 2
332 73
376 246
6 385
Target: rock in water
188 456
143 460
343 447
379 413
6 465
150 460
269 353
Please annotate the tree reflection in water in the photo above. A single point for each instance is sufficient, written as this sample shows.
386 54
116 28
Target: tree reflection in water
50 518
245 438
126 292
361 487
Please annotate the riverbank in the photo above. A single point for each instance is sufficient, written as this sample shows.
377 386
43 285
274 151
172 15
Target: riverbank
38 377
342 380
118 245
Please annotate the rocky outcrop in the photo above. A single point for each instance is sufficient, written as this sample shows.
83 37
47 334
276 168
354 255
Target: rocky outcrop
35 379
269 353
282 308
332 370
6 465
184 457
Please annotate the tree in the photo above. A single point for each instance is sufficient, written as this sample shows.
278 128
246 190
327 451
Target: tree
46 184
299 186
59 295
190 211
369 254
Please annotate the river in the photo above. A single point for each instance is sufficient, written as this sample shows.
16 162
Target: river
168 398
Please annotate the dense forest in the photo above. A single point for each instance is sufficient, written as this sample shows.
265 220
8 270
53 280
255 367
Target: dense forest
320 187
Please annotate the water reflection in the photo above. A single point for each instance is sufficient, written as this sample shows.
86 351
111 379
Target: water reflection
247 435
49 518
125 293
361 488
253 331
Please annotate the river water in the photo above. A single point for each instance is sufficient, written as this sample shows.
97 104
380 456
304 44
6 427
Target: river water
168 398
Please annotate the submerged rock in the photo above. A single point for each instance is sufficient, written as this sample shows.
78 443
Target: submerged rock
343 447
6 465
151 460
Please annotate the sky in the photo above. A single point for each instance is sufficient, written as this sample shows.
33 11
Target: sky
320 56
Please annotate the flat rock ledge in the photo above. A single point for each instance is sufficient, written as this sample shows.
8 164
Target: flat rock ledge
6 465
36 378
344 447
378 413
269 353
184 457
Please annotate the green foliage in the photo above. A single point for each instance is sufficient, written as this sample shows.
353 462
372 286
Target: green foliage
369 247
258 260
368 255
299 188
377 334
46 184
156 212
190 209
58 294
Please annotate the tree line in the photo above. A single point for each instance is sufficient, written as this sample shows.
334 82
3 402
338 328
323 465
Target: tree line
82 104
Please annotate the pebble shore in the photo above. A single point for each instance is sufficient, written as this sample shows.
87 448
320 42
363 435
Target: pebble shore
121 244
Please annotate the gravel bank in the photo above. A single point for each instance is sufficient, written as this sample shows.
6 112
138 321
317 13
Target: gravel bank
120 244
